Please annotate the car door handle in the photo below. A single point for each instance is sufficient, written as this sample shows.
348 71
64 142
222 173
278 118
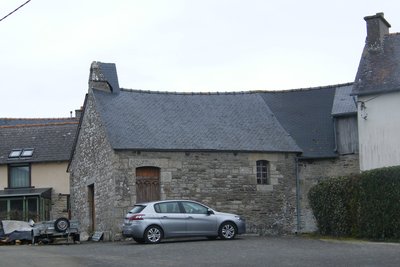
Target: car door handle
190 217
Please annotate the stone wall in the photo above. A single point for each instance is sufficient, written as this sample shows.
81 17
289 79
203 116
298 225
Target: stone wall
224 181
92 164
313 171
59 206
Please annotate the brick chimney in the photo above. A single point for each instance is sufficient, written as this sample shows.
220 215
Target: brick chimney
377 28
78 113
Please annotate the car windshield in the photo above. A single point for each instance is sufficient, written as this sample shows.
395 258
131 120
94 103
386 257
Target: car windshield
137 209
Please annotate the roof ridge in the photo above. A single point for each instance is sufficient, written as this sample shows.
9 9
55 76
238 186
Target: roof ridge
39 125
310 88
236 92
187 93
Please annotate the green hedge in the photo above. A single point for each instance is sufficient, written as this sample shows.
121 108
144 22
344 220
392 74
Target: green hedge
365 205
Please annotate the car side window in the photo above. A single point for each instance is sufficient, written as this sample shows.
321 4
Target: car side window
194 208
167 207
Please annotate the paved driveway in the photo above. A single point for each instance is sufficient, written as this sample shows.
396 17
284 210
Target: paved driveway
244 251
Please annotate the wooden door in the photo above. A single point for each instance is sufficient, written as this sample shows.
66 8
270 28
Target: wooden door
92 213
147 184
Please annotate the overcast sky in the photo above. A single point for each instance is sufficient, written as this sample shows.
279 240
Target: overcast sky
47 46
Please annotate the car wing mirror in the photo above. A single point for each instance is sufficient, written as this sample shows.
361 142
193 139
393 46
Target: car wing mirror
210 211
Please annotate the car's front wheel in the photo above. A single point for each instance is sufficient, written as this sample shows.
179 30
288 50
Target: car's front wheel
227 231
153 234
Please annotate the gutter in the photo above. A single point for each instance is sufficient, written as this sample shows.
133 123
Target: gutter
334 135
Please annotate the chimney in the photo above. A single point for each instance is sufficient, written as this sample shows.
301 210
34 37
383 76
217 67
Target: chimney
78 113
103 76
377 28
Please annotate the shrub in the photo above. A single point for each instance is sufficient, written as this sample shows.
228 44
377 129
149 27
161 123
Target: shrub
380 203
365 205
333 207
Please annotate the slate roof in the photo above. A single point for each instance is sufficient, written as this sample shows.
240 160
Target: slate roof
298 120
307 115
172 121
344 103
379 69
51 142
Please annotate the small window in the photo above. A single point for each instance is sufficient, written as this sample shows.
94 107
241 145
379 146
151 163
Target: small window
27 152
262 172
15 153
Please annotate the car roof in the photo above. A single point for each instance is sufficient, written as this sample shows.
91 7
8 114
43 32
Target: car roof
163 201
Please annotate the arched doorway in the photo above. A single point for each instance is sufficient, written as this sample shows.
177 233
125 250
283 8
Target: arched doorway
147 184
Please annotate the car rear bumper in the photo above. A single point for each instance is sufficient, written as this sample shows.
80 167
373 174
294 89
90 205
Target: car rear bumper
134 230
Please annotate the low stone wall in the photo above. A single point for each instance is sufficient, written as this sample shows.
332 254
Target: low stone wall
313 171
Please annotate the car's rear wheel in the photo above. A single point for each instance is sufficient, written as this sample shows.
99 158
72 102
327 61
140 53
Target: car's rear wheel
227 231
153 234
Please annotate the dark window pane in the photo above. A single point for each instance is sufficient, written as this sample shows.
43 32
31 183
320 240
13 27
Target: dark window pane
33 212
262 172
3 210
19 176
16 209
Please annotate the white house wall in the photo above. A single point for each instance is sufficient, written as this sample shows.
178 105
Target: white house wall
379 128
43 175
3 177
52 175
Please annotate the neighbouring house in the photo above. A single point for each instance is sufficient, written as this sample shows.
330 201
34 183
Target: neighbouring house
34 155
254 153
377 86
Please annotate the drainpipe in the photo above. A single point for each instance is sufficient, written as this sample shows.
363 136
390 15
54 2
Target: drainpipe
335 134
297 195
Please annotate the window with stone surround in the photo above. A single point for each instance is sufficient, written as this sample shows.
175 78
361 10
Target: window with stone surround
263 175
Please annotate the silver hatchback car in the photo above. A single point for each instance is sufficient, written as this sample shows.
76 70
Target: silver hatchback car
151 222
